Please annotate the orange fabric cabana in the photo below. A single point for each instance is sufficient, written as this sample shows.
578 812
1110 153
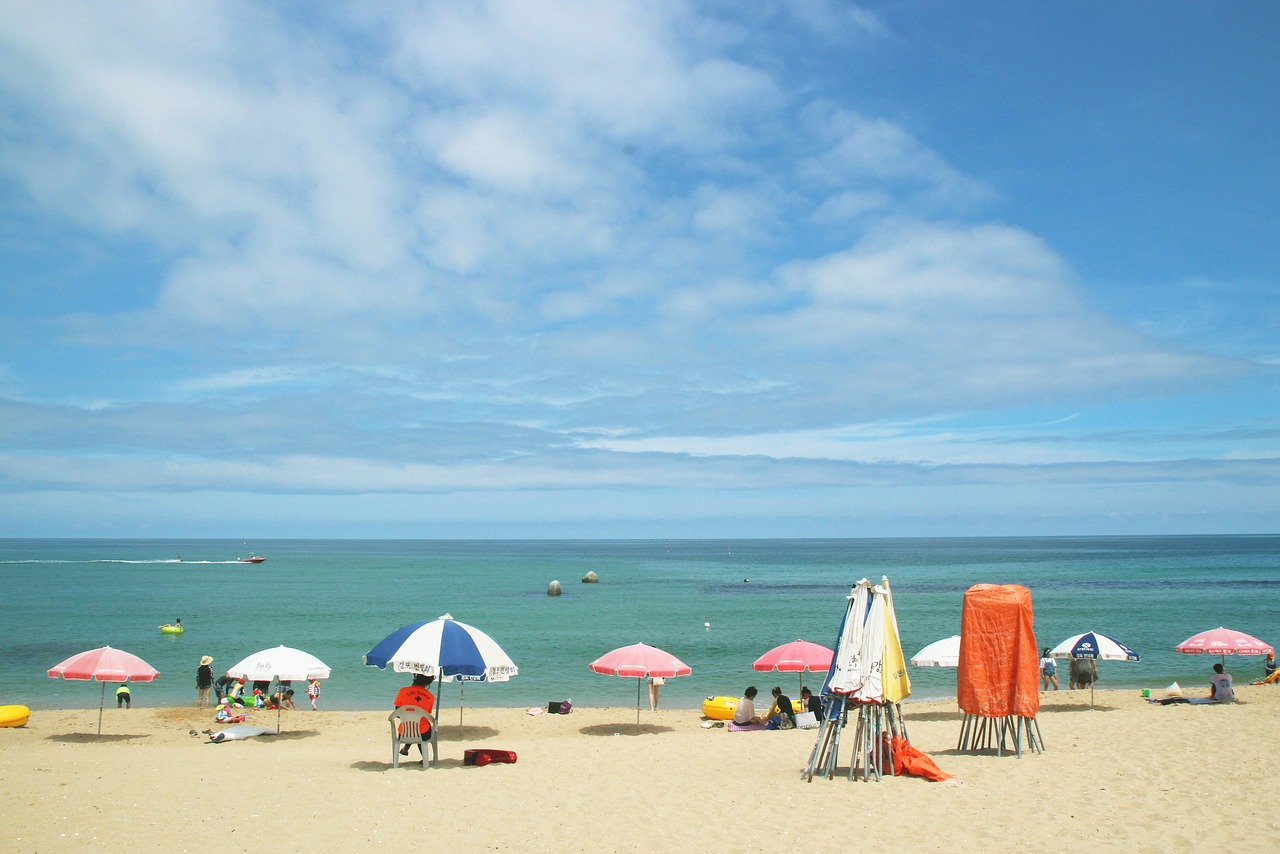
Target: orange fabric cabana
999 671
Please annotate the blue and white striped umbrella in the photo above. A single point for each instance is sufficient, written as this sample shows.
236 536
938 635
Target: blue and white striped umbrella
443 648
1097 646
1094 645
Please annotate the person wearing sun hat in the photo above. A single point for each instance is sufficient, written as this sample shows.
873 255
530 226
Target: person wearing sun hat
204 681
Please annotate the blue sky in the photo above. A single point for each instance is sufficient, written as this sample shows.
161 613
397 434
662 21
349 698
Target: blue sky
567 269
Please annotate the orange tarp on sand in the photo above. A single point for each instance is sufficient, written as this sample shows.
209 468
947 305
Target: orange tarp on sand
999 665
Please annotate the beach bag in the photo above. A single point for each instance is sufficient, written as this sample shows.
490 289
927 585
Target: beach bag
806 720
559 707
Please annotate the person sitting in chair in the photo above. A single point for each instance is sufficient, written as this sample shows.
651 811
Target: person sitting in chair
418 695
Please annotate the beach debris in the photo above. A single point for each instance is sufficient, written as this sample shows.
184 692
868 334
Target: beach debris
591 577
553 589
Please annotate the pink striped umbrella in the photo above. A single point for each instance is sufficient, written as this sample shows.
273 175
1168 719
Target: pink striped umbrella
637 662
1224 642
795 657
104 664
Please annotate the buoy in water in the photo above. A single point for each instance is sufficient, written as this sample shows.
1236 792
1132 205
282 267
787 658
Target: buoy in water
553 589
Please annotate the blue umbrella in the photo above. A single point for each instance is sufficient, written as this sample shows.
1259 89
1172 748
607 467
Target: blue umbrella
446 649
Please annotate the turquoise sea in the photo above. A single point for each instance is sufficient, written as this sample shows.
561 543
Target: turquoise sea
337 598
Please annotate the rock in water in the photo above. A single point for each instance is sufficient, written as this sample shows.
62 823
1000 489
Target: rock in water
591 578
553 589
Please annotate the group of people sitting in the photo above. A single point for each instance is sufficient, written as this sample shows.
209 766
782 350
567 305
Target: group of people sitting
234 698
781 713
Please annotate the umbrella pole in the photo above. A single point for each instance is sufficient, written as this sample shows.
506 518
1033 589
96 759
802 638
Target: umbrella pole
462 701
440 700
102 701
637 705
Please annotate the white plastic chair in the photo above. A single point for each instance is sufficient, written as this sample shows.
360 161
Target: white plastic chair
406 729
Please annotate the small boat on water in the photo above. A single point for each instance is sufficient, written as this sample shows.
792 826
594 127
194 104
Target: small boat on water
252 558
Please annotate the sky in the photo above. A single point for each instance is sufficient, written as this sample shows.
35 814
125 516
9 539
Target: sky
635 269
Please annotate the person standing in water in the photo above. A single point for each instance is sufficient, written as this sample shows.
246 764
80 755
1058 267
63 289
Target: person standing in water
204 681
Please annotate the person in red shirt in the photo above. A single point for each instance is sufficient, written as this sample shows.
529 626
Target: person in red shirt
417 695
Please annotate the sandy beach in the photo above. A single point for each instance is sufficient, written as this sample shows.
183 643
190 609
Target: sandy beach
1123 775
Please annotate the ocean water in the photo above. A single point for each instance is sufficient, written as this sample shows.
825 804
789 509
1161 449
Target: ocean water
337 598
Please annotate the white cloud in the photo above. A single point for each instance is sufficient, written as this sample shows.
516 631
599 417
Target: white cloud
859 149
489 230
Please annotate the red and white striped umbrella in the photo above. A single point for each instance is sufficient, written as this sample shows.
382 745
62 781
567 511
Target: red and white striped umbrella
104 664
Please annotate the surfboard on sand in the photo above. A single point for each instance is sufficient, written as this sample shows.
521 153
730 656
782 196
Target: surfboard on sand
237 732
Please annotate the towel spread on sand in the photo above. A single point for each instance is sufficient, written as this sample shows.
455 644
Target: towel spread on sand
736 727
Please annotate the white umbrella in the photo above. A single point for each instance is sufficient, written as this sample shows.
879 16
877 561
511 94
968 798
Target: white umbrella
941 653
284 663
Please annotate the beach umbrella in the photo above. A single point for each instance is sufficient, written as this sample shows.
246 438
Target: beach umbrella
940 653
798 656
444 648
1224 642
104 664
283 663
1096 646
639 662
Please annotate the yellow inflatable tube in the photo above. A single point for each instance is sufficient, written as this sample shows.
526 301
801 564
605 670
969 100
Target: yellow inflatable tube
14 715
721 708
